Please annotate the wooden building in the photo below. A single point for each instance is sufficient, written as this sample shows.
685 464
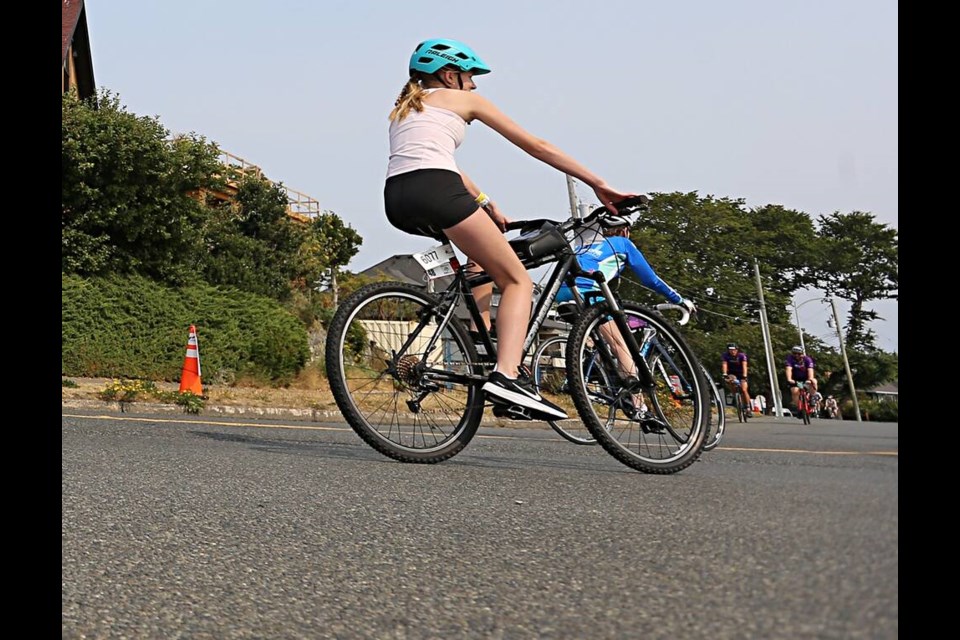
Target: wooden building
77 61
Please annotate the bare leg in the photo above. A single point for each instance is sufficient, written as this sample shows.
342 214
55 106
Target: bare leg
479 238
483 295
611 334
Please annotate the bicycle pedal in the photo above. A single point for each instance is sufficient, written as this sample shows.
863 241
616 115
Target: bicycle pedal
652 425
512 412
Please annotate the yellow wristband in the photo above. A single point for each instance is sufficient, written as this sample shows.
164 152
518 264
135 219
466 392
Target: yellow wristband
482 199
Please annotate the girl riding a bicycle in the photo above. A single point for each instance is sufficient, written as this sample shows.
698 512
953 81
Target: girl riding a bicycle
427 194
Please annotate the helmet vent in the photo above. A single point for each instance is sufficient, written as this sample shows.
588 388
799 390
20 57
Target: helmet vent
440 47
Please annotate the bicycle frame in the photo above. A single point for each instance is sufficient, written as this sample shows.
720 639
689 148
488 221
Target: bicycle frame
566 269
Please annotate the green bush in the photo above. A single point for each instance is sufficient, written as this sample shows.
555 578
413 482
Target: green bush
132 327
871 410
125 189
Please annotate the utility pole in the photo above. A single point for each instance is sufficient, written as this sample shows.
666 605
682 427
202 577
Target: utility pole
846 363
765 330
572 194
796 311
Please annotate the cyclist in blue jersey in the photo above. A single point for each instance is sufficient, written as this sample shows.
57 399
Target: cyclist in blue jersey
610 255
733 364
799 369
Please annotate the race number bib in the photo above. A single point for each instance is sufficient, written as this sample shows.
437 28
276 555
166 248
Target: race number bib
436 261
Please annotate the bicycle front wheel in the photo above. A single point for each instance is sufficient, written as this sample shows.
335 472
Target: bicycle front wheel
718 418
550 378
402 382
668 434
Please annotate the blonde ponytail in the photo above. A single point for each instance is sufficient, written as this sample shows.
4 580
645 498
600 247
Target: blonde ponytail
411 97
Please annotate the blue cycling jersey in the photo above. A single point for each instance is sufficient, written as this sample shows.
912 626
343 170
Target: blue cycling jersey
611 256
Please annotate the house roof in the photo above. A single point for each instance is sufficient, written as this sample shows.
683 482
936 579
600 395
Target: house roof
406 269
399 267
69 18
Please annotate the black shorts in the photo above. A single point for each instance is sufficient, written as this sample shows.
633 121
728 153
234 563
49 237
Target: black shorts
427 201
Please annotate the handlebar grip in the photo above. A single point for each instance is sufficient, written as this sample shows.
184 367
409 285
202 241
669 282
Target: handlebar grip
625 206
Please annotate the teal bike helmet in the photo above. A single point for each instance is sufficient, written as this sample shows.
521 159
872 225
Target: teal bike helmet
432 55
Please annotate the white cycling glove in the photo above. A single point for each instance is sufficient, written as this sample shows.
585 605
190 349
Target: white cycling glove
688 304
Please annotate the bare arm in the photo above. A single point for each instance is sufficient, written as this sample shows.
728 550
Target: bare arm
481 109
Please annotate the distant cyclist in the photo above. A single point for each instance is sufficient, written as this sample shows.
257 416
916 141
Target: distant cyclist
733 364
833 409
611 254
799 370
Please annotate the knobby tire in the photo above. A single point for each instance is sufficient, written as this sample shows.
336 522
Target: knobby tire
672 437
374 386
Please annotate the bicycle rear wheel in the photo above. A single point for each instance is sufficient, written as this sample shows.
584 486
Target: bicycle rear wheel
401 386
669 435
550 378
718 418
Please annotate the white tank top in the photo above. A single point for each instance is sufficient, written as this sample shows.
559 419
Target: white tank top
425 140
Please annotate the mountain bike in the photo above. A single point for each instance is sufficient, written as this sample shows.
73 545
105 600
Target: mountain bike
804 401
407 377
718 416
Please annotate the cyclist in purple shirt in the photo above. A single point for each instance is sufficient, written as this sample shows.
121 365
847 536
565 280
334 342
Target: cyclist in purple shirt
799 370
733 363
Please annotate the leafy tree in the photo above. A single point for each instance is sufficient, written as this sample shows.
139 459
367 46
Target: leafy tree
859 263
125 190
705 247
697 245
253 244
784 244
339 242
334 243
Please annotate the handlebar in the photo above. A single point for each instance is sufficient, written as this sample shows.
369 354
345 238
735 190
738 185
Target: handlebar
625 207
684 317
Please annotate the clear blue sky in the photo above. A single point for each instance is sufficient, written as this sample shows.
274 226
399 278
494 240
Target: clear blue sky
778 103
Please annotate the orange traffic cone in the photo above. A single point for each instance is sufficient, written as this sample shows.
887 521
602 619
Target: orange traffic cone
190 374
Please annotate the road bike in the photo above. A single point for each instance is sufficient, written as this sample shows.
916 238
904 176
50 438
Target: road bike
804 401
407 376
741 408
550 376
718 416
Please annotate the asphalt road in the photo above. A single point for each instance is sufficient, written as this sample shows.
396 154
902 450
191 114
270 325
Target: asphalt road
193 527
